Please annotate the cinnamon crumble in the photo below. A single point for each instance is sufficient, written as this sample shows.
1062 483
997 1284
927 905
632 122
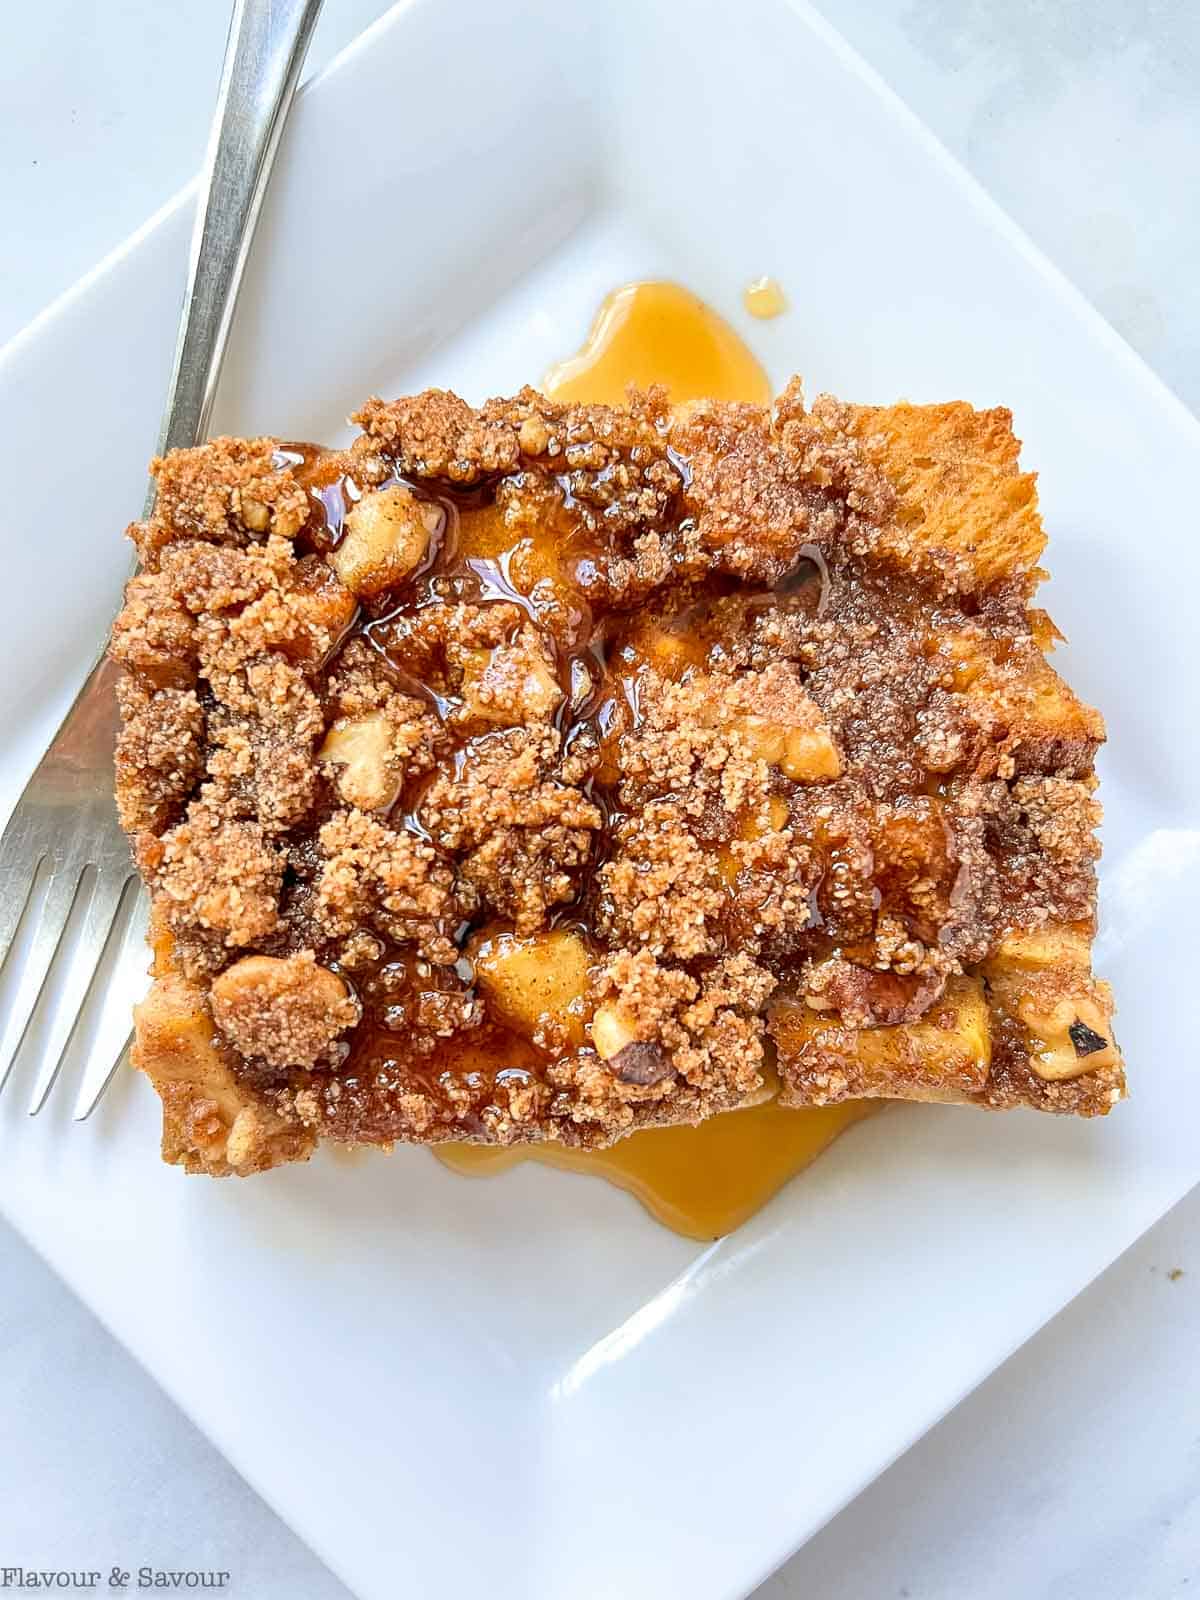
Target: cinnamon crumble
541 772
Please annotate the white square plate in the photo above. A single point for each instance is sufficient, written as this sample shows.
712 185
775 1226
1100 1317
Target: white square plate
524 1388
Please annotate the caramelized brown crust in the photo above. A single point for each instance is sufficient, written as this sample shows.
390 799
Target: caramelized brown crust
538 771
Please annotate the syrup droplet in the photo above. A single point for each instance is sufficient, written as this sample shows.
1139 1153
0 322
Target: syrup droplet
764 298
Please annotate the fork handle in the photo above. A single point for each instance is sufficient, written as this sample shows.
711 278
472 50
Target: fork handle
263 57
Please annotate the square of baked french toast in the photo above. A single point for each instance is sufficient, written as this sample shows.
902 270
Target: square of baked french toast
542 771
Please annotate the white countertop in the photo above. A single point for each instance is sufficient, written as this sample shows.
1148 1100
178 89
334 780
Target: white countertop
1075 1470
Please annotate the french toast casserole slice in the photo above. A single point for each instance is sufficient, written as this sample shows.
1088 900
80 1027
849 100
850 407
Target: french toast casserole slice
546 772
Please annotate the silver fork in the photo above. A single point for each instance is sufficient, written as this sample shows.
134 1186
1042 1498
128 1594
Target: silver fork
71 914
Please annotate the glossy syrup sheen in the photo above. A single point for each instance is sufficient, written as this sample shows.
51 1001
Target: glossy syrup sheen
701 1182
657 332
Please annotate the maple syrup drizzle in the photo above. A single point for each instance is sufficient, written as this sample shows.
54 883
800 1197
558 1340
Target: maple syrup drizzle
705 1181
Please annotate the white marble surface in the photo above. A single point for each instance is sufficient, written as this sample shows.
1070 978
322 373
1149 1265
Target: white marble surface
1075 1470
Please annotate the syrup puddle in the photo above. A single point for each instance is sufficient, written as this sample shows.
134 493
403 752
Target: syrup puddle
657 332
702 1182
706 1181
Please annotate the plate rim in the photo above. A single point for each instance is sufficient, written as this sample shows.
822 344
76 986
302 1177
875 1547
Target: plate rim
1098 328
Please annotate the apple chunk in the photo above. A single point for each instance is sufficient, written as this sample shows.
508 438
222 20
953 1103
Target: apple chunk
529 982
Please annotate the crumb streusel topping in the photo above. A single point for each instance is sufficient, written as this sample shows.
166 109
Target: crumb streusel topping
540 771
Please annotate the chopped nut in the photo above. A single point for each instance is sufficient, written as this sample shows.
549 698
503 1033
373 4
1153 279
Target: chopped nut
1044 980
533 436
362 747
1085 1040
867 998
612 1031
245 1136
387 535
1060 1029
255 515
641 1063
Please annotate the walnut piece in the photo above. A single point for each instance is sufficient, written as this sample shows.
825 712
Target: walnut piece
386 537
612 1031
361 747
642 1064
1074 1033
